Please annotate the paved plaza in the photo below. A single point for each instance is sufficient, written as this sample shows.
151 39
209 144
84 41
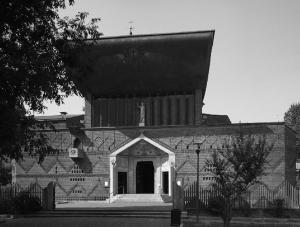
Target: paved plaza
85 222
106 205
147 222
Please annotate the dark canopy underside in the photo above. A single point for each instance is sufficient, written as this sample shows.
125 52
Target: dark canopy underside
145 65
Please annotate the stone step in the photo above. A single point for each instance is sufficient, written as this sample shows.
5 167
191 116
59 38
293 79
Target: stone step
139 198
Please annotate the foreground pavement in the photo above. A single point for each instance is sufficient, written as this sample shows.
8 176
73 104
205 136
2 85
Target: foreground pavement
116 205
147 222
91 221
243 222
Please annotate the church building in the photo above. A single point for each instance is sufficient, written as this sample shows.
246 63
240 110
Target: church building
143 122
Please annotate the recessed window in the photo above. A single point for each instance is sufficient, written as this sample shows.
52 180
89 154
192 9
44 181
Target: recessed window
77 179
76 169
76 143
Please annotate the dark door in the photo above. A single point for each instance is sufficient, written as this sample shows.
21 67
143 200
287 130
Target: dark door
165 179
122 182
145 177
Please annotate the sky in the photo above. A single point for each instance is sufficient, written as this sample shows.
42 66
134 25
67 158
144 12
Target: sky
255 63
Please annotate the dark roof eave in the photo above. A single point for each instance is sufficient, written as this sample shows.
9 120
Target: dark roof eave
180 61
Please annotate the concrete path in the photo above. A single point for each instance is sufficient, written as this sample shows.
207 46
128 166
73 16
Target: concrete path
104 204
243 222
147 222
86 222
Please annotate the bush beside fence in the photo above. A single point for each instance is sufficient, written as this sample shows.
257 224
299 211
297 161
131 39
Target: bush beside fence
14 198
259 196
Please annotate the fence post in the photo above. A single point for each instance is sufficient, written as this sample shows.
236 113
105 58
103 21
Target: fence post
51 196
48 202
44 199
179 197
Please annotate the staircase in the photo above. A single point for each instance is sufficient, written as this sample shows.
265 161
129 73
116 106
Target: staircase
140 198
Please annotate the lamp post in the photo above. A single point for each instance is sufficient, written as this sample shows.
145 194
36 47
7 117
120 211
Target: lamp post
175 212
173 184
197 188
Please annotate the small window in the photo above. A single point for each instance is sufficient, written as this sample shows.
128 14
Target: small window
76 169
76 143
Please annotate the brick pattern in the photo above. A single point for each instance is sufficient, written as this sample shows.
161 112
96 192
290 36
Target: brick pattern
85 178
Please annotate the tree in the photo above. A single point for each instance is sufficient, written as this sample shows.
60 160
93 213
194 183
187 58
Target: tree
292 117
236 167
35 48
5 174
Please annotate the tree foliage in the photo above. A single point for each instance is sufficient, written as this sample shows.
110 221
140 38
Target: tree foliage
5 174
292 117
236 167
35 46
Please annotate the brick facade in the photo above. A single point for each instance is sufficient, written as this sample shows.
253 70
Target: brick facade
85 178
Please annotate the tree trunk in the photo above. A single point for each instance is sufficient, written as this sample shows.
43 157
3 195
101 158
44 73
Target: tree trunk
227 213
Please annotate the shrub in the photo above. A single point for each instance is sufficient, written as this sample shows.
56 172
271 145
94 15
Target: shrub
24 203
246 209
242 207
191 204
6 206
216 205
279 206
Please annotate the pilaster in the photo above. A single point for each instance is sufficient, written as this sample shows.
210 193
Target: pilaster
88 111
148 111
182 110
173 114
198 106
156 111
165 110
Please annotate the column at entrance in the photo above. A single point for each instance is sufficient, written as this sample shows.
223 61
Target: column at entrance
113 176
131 176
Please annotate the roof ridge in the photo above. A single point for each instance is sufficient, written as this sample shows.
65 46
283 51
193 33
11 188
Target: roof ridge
154 34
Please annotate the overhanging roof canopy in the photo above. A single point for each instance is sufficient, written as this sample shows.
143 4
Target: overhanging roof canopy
145 65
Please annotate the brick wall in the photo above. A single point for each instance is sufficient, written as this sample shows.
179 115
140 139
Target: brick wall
86 177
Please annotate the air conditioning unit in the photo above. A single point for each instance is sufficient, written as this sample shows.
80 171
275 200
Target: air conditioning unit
75 153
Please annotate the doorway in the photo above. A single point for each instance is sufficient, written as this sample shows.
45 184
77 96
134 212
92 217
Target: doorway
165 182
145 177
122 182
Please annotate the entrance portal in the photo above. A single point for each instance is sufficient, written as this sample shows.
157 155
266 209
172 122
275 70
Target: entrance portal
145 177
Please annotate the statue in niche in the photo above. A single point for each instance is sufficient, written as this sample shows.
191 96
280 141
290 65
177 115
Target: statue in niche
142 114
